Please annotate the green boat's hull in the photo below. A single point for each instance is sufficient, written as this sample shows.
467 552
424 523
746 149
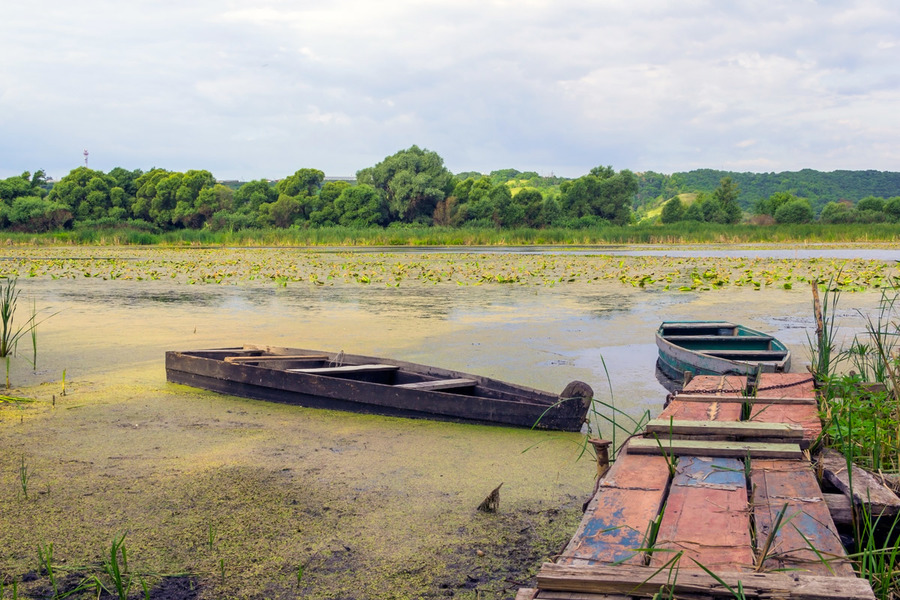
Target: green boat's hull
717 348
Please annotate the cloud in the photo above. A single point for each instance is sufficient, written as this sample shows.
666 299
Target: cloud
251 89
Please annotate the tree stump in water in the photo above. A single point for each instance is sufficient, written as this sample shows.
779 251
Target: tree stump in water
492 502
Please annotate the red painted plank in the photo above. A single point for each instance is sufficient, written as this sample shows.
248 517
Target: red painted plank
702 411
779 482
706 516
727 385
804 415
618 516
786 385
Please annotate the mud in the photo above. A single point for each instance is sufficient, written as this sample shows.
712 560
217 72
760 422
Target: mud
222 497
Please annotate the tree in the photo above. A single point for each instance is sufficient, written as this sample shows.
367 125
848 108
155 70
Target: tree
86 192
870 203
794 211
305 182
411 182
838 212
672 211
693 212
360 206
602 193
892 209
283 211
726 196
532 202
35 214
769 205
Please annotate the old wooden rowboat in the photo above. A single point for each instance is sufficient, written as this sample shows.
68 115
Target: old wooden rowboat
717 348
376 385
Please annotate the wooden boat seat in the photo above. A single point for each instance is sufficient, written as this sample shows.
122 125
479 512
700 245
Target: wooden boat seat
346 369
740 339
439 384
271 357
756 355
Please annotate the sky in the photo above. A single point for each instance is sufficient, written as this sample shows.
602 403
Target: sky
252 89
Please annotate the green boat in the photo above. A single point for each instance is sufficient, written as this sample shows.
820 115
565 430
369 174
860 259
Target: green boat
717 348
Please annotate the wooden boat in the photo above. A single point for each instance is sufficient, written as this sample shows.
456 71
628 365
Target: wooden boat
717 348
376 385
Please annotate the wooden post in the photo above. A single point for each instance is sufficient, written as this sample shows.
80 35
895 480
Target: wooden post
817 309
601 449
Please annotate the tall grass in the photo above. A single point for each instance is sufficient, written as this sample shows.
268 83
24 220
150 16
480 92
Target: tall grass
861 410
10 332
861 419
103 233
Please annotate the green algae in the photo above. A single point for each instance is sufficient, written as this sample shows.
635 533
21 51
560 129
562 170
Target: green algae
371 507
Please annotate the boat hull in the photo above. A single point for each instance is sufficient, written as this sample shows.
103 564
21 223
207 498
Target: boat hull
389 390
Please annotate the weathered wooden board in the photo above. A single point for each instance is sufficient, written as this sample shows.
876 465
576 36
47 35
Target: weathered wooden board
711 410
616 520
267 358
787 385
550 595
840 508
646 581
726 449
706 516
439 384
374 368
807 520
736 399
866 490
804 416
738 429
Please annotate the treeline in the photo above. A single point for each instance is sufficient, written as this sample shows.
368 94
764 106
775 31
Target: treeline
818 187
410 187
414 188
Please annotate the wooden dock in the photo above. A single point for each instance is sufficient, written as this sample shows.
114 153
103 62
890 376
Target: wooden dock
718 496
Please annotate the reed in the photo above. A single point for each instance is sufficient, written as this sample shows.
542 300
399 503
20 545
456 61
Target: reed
45 556
115 570
424 235
10 333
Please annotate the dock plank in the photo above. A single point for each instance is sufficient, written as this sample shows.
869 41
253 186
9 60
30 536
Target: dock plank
866 490
706 516
777 483
710 410
617 518
788 385
736 399
738 449
805 416
647 581
725 385
737 429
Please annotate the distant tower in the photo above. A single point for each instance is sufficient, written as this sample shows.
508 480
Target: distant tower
85 158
